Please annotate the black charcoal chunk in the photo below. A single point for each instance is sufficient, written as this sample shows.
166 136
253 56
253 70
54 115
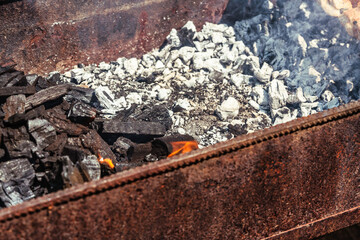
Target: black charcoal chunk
75 153
157 113
19 80
135 128
139 152
9 91
43 83
17 142
52 179
8 77
23 117
14 192
16 169
90 167
85 95
42 131
70 173
21 148
16 176
82 113
122 146
14 105
46 95
54 78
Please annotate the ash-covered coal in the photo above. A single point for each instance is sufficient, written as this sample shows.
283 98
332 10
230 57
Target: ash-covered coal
53 138
279 61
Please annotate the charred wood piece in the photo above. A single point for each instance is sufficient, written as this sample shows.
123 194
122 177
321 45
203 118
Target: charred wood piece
82 113
70 173
15 191
9 91
137 131
57 146
19 80
122 146
93 141
17 142
43 84
16 176
90 167
46 95
85 95
75 153
51 173
63 125
164 146
42 131
14 169
21 118
6 78
14 105
139 152
158 114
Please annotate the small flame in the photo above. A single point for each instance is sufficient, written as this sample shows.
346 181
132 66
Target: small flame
183 147
107 161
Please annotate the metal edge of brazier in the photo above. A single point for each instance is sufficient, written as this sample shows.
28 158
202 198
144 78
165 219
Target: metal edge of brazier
43 36
290 181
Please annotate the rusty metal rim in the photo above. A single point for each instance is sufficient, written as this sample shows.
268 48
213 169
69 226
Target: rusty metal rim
182 161
319 222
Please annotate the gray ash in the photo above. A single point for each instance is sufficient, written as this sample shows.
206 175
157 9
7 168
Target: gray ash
275 63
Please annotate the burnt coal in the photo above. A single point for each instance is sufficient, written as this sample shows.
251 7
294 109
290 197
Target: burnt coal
137 131
93 141
19 118
90 167
16 176
9 91
122 147
164 146
15 104
62 124
8 77
70 174
138 152
17 142
82 112
46 95
75 152
42 131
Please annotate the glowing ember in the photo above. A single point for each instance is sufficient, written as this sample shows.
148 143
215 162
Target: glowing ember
107 161
183 147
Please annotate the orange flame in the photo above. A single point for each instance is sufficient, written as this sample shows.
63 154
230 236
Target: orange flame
107 161
183 147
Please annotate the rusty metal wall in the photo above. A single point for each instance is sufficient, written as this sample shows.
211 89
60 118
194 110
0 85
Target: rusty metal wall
292 181
45 35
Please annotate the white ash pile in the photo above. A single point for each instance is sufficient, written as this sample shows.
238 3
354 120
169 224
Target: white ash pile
288 61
